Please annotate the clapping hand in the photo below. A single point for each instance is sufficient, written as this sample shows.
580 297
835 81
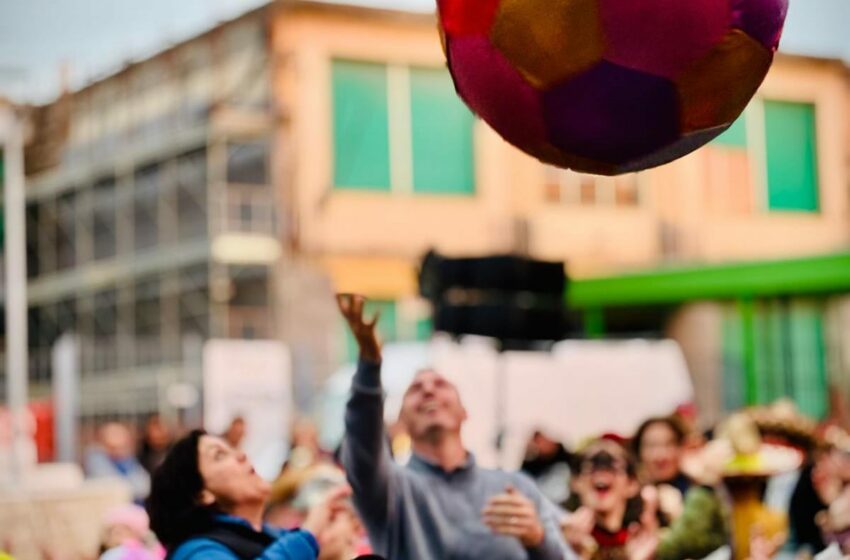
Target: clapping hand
320 517
514 515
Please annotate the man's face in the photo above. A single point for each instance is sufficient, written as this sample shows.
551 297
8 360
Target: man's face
604 483
117 441
431 406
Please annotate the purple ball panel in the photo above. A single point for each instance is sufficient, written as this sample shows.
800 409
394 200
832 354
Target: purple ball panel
613 114
496 91
682 147
760 19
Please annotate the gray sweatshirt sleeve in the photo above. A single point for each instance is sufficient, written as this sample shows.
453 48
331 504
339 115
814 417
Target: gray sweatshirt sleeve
365 451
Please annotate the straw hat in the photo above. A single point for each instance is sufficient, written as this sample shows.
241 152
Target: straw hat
738 451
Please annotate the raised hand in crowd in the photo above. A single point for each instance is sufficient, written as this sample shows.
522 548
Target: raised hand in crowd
363 330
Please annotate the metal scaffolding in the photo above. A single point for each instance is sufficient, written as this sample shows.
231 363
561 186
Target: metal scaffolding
121 233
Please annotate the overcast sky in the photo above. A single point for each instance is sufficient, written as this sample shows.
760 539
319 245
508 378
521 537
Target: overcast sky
97 36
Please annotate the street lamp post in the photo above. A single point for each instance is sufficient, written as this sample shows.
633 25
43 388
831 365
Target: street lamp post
12 141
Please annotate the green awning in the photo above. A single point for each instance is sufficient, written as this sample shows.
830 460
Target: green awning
804 276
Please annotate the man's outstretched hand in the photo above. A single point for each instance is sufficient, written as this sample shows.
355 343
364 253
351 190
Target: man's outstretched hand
351 307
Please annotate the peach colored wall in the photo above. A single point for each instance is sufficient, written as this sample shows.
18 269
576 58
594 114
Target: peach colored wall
716 237
365 223
509 185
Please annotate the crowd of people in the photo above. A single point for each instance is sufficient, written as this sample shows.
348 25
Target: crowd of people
765 483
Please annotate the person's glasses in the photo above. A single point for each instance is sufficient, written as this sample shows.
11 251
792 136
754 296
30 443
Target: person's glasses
604 462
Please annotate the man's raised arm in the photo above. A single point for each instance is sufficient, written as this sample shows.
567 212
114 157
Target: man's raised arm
365 452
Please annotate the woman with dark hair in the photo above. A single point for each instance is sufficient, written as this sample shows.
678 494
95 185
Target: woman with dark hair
690 510
207 502
659 446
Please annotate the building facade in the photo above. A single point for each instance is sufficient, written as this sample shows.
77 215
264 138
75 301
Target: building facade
388 164
152 224
227 186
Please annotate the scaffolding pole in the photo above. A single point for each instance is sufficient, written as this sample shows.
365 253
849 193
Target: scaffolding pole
11 136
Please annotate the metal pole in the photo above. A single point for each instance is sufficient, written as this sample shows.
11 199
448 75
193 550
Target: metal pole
66 396
14 210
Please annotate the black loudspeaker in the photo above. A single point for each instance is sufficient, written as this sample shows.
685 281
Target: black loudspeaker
502 321
506 274
505 297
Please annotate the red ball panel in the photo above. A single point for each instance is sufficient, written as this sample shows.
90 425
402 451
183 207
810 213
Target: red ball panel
662 37
467 17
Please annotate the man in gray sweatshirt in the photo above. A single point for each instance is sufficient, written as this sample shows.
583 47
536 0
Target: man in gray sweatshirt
442 506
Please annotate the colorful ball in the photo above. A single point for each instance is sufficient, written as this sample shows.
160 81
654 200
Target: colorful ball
609 86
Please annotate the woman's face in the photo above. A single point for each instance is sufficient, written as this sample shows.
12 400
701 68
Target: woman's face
660 453
603 482
229 478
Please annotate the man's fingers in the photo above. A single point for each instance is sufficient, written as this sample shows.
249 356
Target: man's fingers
511 525
506 510
357 307
371 324
509 499
344 303
508 531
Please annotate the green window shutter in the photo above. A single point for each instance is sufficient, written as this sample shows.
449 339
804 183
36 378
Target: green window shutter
808 359
734 366
424 329
735 136
771 353
361 126
792 161
387 325
443 160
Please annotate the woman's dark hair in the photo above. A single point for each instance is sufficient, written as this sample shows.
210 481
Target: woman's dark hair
672 422
176 515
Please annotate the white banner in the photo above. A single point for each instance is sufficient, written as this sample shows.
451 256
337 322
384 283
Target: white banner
251 379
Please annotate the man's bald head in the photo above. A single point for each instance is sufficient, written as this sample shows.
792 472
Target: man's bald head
432 406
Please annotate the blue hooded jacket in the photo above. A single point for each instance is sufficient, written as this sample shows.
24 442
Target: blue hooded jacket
288 545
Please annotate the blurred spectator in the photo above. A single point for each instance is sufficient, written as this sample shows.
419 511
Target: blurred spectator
156 441
127 536
113 457
235 433
821 483
297 491
605 481
548 463
659 447
690 509
305 450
